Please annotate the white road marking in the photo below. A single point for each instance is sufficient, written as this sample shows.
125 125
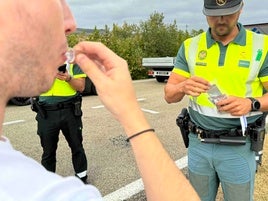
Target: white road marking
182 162
141 99
98 107
149 111
137 186
125 192
13 122
102 106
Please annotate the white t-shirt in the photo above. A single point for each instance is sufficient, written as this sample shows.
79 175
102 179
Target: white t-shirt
24 179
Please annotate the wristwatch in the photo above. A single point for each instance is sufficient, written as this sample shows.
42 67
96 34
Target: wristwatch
255 104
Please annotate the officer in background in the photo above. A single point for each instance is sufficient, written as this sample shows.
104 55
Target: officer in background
59 109
224 71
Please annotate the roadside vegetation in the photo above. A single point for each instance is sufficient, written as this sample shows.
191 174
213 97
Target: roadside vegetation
154 38
151 38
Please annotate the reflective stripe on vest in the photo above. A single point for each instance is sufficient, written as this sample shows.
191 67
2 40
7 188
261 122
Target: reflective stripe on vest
60 87
238 76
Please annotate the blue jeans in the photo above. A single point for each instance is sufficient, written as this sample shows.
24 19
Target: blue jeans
232 166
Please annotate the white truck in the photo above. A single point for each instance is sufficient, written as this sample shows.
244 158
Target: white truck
159 67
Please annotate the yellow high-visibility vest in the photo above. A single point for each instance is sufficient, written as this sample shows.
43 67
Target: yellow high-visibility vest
238 76
61 87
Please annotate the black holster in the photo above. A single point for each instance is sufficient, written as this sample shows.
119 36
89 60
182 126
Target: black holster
257 134
36 107
77 103
182 122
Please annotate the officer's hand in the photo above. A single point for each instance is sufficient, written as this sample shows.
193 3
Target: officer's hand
236 106
63 76
194 86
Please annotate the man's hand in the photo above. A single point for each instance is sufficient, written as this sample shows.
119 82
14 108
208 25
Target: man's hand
236 106
194 86
110 75
64 76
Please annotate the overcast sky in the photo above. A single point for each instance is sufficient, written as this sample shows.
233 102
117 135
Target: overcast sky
187 13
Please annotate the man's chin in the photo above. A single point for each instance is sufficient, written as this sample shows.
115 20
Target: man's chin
222 32
45 87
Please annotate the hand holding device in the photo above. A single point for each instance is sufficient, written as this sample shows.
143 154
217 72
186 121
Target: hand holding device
215 94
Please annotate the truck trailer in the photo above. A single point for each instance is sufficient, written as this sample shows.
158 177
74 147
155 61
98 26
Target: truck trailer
159 67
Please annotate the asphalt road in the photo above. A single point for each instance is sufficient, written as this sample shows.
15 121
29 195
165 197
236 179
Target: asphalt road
111 166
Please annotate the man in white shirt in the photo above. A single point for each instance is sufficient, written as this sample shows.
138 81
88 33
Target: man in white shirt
28 65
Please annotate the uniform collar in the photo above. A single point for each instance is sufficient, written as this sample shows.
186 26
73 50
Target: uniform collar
240 39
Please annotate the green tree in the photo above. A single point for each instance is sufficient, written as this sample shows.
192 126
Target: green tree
125 41
158 39
151 38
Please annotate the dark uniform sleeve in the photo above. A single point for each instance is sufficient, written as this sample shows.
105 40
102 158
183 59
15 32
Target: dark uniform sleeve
77 72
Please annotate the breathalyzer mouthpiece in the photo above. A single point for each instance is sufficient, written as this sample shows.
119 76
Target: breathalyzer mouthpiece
70 55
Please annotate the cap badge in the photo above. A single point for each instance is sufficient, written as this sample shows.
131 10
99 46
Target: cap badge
221 2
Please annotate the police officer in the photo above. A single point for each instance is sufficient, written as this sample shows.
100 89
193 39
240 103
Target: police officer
59 109
231 63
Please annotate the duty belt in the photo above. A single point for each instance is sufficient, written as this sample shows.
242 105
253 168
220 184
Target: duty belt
203 133
227 137
57 106
254 132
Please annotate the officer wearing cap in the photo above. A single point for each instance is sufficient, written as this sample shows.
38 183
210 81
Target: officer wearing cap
233 61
